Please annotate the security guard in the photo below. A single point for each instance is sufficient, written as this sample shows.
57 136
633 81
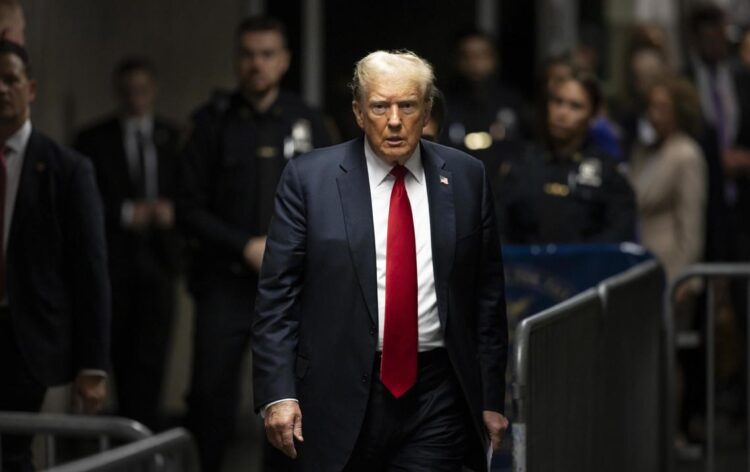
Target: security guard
239 147
484 116
566 191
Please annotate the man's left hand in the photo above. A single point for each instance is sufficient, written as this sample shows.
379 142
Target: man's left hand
496 425
92 390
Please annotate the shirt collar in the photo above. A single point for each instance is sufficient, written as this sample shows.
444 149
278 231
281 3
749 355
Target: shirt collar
144 124
380 169
17 141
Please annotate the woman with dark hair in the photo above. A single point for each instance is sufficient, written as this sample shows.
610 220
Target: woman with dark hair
567 190
669 177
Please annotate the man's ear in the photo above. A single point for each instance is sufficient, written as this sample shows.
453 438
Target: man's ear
358 114
32 90
287 60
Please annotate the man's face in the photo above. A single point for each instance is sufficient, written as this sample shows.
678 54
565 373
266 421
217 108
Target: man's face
262 61
136 91
17 91
712 41
392 113
569 112
476 59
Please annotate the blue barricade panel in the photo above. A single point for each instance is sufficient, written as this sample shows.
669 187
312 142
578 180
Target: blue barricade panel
538 277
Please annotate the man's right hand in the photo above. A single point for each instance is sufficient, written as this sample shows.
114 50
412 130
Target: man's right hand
283 423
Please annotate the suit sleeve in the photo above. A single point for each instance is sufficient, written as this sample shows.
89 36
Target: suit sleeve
112 203
195 186
87 270
492 323
275 322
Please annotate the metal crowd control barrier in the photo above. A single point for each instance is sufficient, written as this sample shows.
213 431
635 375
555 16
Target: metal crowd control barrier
52 425
587 379
708 272
175 443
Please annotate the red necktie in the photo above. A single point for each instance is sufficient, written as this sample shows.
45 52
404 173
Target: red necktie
398 370
3 182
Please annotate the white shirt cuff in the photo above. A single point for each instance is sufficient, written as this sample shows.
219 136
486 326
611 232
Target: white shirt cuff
263 410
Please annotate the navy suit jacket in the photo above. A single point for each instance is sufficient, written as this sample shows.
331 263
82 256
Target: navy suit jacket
56 265
315 327
128 250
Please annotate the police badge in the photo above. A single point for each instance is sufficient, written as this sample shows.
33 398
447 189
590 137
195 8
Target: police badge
589 173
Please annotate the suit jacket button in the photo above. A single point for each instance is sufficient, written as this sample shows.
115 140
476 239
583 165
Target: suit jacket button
364 378
372 331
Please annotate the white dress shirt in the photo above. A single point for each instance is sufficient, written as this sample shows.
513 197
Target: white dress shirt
130 129
144 125
381 185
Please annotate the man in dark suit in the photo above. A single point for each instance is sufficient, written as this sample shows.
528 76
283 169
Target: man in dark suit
135 158
54 289
380 329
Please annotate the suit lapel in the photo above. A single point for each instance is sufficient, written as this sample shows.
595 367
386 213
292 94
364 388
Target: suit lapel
442 224
34 167
354 191
120 159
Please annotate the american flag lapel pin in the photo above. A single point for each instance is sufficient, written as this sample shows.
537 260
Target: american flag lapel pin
444 180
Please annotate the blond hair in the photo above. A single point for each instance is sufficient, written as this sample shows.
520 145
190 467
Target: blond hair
403 64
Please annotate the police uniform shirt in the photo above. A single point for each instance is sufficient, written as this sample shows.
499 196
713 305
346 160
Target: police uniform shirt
581 198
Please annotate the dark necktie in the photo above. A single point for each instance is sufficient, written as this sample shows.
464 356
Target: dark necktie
398 370
3 186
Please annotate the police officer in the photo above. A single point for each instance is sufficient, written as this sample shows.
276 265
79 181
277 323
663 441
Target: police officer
485 116
239 146
567 191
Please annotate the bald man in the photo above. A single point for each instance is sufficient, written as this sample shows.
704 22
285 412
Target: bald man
380 335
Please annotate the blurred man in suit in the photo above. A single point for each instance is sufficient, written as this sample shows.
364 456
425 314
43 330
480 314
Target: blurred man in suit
135 157
240 144
54 289
380 336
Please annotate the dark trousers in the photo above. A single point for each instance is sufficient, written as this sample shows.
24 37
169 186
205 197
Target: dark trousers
142 316
224 308
424 430
20 391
